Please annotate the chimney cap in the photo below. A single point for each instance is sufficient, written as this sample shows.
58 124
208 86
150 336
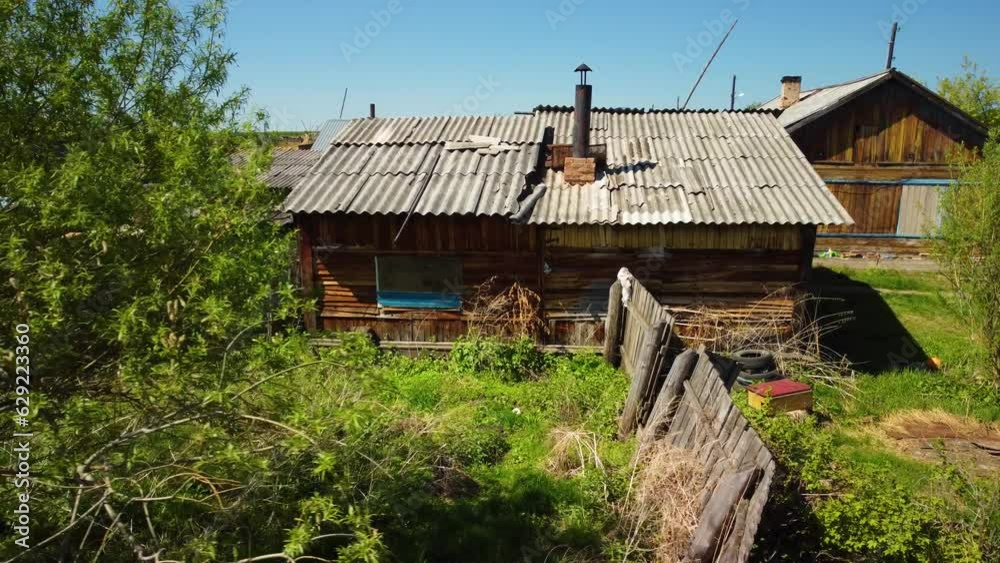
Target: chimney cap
792 78
583 69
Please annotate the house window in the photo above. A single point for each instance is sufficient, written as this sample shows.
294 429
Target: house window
419 282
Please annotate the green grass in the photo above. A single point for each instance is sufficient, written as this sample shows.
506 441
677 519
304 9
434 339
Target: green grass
842 452
864 449
923 325
494 407
882 278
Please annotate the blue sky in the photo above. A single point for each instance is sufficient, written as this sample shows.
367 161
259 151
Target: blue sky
439 57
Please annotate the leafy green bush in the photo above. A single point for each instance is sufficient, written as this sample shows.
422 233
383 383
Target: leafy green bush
870 516
967 245
516 360
853 511
344 452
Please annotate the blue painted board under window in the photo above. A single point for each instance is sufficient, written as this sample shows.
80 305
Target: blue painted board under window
410 300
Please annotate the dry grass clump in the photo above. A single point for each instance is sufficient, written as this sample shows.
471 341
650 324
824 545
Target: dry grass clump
509 312
660 512
788 325
572 452
936 423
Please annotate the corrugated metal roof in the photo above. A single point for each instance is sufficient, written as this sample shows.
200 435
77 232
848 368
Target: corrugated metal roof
820 100
517 129
634 205
327 133
288 167
693 167
817 102
663 167
384 165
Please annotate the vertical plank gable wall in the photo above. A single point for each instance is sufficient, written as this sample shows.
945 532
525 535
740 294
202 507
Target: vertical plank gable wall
869 149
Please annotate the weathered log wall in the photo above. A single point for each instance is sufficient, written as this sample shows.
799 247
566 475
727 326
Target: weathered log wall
727 267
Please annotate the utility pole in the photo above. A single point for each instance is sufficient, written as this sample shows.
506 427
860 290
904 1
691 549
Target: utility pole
732 95
342 102
708 64
892 45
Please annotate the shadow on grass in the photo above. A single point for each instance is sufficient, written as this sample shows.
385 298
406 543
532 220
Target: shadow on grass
504 520
875 340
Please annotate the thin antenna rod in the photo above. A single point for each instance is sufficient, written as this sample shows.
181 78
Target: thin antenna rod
709 63
892 45
342 102
732 95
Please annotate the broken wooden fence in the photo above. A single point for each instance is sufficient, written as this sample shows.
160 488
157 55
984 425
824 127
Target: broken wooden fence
638 331
690 408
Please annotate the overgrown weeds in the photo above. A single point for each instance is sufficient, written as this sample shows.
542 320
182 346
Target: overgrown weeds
788 324
506 312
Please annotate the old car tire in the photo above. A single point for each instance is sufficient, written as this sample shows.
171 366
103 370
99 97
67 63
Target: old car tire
747 379
754 360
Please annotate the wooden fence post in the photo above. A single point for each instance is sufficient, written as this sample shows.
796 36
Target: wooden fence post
613 324
643 378
662 413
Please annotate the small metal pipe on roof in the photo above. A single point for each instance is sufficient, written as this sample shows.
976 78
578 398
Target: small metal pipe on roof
371 111
581 114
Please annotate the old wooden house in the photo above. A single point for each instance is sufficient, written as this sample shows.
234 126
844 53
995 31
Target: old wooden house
882 144
403 220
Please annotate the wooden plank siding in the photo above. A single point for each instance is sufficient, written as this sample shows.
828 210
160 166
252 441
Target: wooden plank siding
571 269
918 210
889 125
890 134
874 208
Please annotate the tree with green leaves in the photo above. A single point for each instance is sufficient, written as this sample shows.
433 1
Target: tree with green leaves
127 234
145 264
168 424
973 91
968 246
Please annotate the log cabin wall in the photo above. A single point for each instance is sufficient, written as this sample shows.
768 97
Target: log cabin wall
344 248
681 265
571 267
885 156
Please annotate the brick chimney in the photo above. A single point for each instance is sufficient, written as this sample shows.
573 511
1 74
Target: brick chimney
791 89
